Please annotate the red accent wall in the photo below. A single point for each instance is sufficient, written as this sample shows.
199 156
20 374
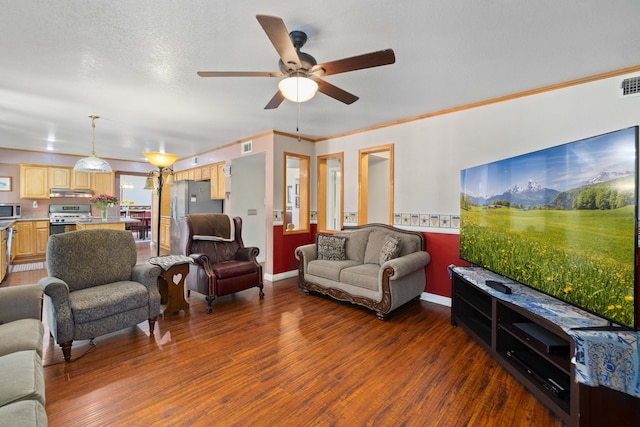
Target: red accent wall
444 251
284 247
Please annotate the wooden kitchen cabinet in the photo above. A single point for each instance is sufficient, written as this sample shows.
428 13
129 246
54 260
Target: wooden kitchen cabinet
103 183
59 177
218 181
95 225
42 237
30 240
165 233
81 180
23 245
34 182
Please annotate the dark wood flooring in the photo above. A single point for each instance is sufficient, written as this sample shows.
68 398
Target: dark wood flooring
286 360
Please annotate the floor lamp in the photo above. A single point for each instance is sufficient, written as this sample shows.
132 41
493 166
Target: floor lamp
162 161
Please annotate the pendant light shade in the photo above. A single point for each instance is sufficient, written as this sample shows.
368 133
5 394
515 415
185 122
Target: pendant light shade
298 89
92 163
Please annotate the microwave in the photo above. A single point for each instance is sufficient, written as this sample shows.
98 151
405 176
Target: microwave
9 210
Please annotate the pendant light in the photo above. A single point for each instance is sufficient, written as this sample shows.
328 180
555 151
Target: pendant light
92 163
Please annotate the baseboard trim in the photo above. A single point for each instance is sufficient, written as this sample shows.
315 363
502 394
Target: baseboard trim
436 299
280 276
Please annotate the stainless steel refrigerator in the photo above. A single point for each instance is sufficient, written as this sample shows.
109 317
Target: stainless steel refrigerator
188 197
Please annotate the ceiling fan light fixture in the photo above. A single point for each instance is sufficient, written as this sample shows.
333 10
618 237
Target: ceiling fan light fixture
92 163
298 89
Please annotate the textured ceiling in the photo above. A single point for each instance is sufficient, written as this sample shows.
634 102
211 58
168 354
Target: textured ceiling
134 63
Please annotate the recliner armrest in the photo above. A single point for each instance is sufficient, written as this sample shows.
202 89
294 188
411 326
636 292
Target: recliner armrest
20 302
200 259
248 253
59 315
147 274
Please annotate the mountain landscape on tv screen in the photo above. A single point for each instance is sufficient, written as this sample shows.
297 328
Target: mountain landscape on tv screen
604 191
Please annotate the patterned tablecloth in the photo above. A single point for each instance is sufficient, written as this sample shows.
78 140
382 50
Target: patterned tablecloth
602 357
167 261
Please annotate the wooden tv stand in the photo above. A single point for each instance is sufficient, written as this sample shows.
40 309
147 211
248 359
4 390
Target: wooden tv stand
537 352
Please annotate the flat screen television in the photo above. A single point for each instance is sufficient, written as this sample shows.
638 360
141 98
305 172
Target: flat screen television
562 220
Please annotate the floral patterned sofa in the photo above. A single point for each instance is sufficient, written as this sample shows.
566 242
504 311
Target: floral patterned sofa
374 265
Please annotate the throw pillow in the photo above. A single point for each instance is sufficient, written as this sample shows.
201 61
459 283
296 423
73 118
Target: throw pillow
331 248
390 249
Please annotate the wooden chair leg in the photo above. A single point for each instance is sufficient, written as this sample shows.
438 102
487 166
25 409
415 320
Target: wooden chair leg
152 324
66 350
209 299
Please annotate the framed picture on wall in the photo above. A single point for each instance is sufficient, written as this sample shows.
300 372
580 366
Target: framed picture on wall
5 183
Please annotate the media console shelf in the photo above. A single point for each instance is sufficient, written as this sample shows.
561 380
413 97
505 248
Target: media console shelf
525 332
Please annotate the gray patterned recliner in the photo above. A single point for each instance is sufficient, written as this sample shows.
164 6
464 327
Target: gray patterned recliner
95 287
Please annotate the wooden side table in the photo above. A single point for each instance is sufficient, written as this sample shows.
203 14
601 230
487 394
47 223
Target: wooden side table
171 284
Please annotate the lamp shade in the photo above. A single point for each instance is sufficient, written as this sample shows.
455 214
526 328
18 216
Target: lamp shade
161 160
298 89
92 164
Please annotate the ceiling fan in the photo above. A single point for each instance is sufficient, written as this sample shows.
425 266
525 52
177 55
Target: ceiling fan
301 69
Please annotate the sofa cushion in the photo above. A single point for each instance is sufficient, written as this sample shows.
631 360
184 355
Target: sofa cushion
22 377
376 240
98 302
363 276
23 334
408 244
330 247
25 413
390 249
356 243
329 269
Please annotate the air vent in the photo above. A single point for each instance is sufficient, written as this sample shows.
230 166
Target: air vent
194 160
630 87
246 147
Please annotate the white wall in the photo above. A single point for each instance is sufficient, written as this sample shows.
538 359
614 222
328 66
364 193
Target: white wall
429 153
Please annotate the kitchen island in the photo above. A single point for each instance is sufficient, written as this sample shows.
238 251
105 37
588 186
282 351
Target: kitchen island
113 223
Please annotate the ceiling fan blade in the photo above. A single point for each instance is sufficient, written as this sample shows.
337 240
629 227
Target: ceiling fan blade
275 101
335 92
279 36
368 60
240 74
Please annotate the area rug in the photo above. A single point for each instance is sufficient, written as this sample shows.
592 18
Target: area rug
26 267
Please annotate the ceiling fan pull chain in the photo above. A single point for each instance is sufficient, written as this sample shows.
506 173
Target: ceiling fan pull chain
298 123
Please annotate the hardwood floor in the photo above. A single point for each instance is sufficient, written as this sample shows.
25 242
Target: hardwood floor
286 360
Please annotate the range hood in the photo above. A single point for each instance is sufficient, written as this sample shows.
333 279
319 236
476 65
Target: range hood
60 192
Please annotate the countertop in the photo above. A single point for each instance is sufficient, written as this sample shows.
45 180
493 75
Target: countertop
6 224
114 220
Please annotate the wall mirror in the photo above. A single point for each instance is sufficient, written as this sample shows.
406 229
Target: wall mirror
330 192
375 185
296 193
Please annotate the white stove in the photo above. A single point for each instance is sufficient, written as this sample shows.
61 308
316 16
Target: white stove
69 214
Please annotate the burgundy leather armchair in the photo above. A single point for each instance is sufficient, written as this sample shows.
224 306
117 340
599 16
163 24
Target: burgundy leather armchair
223 265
